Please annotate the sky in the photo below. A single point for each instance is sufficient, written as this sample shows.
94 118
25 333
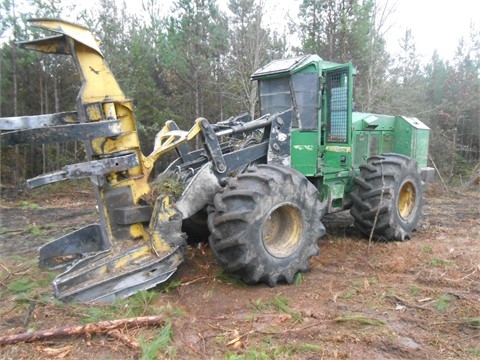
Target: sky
435 24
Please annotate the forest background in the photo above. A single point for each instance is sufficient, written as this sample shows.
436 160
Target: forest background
196 60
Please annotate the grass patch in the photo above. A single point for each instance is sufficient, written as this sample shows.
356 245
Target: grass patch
473 322
22 278
359 320
473 352
225 278
143 303
170 286
436 262
414 289
39 230
279 304
24 285
298 279
161 343
426 249
36 230
348 294
443 302
29 205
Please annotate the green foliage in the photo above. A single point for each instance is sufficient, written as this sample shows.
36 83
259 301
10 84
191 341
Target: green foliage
279 304
167 185
426 249
414 289
298 279
226 278
170 286
23 285
143 303
473 322
443 302
29 285
28 205
473 352
151 349
436 262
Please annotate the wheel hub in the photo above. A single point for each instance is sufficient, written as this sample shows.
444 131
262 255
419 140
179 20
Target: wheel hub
406 200
282 231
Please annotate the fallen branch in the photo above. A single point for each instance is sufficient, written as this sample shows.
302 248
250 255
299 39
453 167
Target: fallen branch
131 343
99 327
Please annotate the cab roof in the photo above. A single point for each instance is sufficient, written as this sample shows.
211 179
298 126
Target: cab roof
291 66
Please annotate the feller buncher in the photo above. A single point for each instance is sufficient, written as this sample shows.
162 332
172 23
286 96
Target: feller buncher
264 184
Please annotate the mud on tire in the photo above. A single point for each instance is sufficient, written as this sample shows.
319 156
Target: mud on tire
265 224
388 196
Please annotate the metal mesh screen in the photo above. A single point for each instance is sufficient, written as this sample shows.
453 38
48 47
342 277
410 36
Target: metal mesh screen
337 106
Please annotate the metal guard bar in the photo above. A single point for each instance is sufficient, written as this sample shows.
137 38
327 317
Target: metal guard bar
38 121
63 133
87 169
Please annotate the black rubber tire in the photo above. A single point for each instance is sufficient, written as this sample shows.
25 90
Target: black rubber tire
389 186
265 224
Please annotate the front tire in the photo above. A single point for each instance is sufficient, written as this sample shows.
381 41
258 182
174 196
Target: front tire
388 197
265 224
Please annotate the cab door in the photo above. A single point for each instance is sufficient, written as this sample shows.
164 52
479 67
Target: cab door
337 119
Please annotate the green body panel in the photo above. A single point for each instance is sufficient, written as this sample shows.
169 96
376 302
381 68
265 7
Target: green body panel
328 140
304 152
379 134
411 139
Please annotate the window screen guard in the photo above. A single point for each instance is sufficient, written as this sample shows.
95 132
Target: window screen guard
337 106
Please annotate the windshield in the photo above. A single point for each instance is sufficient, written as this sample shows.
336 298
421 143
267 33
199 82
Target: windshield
275 96
305 88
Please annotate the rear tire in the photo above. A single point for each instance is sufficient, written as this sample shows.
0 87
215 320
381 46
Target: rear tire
388 196
265 224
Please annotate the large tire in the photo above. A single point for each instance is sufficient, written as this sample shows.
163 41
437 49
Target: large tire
388 196
265 224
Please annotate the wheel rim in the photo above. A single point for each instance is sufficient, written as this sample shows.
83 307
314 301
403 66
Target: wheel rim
406 200
282 231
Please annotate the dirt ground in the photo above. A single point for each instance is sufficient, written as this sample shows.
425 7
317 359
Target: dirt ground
418 299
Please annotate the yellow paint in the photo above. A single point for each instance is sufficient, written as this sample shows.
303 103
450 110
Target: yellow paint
137 231
79 33
93 113
341 149
128 258
406 200
163 212
167 140
158 244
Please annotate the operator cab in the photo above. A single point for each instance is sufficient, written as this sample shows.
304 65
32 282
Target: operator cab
320 93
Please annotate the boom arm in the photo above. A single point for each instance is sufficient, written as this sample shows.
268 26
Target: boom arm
132 215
